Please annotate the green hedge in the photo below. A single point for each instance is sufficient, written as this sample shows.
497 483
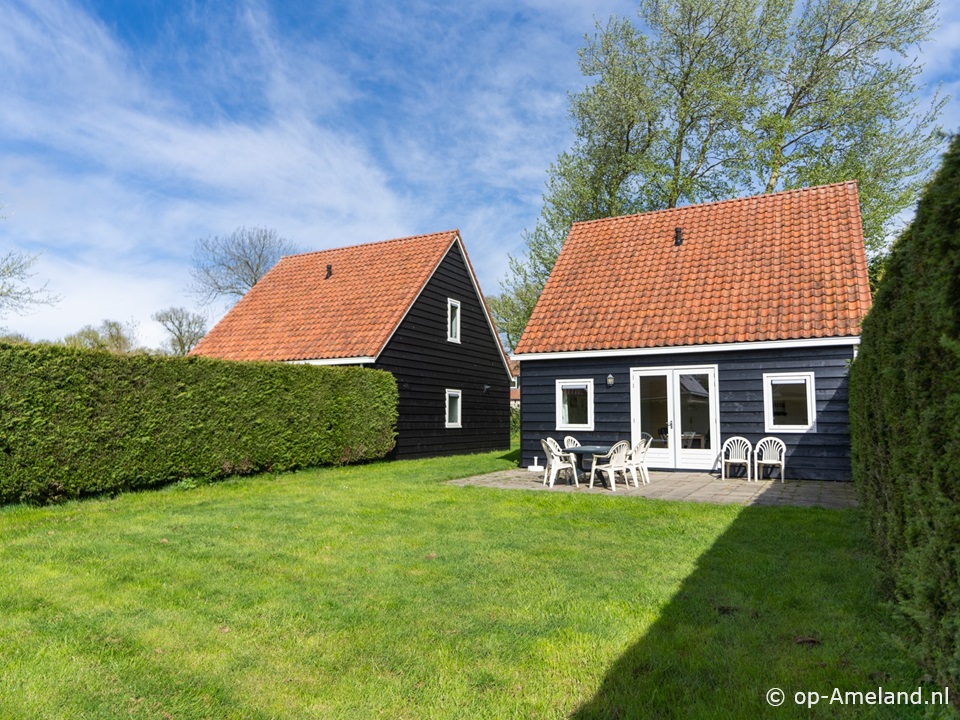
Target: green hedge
79 422
905 423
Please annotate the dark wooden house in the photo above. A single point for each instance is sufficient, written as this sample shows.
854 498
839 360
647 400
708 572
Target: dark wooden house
411 306
699 323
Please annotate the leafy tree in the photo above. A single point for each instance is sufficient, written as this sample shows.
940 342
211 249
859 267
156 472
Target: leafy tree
714 100
112 335
184 327
16 296
229 265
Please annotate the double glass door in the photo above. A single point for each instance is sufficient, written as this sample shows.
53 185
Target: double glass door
678 407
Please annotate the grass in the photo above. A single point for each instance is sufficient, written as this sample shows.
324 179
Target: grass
380 591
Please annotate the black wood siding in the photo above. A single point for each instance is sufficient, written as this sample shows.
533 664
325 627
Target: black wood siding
425 364
821 454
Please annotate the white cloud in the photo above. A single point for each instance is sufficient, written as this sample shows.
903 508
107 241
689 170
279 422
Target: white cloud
333 125
102 174
128 292
941 63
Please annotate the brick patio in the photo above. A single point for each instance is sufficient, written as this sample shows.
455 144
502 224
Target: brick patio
691 486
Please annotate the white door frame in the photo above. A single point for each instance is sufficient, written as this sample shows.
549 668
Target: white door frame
675 455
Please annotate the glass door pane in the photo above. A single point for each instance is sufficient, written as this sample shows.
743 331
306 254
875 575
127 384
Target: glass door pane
655 409
694 416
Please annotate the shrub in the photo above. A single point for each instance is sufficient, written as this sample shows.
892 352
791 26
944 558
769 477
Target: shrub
77 422
905 423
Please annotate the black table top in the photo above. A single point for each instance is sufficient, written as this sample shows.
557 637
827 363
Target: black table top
589 449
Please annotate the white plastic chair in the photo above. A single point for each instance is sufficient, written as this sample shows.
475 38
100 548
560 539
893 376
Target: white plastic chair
616 462
735 451
557 462
565 456
635 459
770 452
559 451
570 441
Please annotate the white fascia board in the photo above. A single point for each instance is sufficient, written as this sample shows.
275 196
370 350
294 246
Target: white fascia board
853 340
335 361
483 306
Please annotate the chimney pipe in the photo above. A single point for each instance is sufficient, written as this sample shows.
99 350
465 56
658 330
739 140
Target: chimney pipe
678 240
329 271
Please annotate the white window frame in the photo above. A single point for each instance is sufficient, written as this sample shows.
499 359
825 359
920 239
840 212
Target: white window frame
446 409
453 329
770 424
561 384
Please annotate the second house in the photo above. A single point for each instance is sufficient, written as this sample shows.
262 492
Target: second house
411 306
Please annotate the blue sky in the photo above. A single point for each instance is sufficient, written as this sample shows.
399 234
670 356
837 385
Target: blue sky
130 129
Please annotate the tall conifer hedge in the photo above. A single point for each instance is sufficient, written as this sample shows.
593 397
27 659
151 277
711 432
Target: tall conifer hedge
80 422
905 422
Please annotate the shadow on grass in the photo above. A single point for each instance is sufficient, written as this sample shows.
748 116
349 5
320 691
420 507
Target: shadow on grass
512 456
783 599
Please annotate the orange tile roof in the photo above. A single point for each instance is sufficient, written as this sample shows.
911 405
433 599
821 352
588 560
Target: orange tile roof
788 265
296 313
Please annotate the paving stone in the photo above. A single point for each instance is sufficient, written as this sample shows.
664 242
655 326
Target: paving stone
694 487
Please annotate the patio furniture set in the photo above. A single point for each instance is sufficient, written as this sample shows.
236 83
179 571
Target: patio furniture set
621 459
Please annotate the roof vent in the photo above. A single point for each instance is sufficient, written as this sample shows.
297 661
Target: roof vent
329 271
678 240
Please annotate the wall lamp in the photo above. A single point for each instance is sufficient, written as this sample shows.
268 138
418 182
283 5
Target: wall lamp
610 380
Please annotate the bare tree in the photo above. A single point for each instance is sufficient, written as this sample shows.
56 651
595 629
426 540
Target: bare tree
112 335
229 265
16 296
15 338
185 328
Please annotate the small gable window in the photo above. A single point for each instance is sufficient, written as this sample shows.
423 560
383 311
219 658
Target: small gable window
574 404
453 408
453 320
789 403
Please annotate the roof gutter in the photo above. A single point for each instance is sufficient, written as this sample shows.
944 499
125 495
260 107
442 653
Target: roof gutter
335 361
677 349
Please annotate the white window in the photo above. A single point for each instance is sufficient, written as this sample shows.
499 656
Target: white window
453 320
789 402
574 404
453 408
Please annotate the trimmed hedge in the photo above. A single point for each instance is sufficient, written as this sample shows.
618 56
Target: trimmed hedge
905 423
79 422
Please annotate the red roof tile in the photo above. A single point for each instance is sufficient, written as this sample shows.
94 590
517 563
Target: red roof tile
788 265
295 312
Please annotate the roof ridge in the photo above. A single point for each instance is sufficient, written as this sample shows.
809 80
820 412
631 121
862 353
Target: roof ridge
455 232
714 203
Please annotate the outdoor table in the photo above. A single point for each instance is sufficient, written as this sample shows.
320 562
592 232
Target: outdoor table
584 450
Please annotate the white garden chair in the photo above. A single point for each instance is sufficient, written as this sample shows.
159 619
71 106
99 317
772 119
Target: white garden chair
570 441
557 462
560 451
736 450
616 462
770 452
635 460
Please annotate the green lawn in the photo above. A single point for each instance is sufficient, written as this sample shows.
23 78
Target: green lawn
380 591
